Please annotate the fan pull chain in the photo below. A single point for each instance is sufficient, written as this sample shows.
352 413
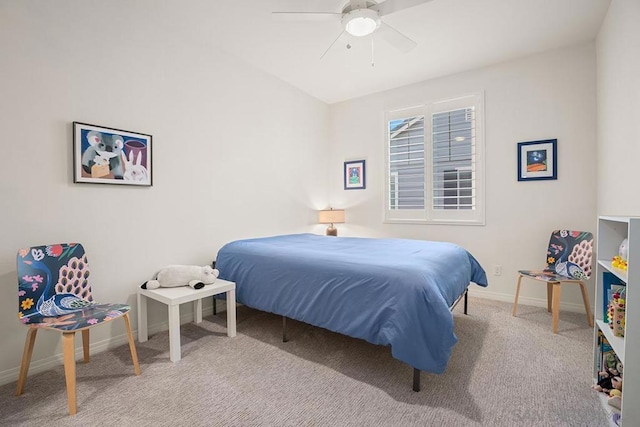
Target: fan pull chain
372 52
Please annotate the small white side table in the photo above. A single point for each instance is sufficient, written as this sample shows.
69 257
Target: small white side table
173 297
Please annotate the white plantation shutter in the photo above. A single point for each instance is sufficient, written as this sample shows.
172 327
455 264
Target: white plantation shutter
452 159
406 163
435 163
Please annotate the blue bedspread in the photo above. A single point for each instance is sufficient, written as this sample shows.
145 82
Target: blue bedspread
393 292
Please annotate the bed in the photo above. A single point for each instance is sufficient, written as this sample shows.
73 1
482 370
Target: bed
393 292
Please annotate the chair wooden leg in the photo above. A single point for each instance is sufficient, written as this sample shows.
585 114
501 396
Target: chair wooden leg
515 301
132 345
549 295
68 351
587 305
556 306
26 359
85 344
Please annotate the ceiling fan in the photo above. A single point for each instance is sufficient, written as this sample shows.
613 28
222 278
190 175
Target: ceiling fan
361 18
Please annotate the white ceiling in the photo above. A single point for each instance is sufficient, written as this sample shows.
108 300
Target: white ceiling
452 36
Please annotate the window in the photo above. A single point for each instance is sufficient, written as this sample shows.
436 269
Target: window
434 165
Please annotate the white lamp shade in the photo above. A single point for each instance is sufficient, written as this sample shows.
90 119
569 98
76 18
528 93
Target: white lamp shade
332 216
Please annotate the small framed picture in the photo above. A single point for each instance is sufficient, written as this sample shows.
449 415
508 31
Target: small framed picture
104 155
354 175
538 160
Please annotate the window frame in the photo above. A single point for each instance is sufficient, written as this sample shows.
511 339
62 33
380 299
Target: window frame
429 215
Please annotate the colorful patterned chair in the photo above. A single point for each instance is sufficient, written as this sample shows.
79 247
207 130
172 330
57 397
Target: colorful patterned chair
54 293
569 258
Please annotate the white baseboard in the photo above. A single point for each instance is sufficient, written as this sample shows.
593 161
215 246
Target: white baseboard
41 365
536 302
11 375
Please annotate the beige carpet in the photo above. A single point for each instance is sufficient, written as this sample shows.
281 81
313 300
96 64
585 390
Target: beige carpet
504 371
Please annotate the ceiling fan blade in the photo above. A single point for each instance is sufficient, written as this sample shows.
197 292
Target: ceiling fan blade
395 38
305 16
340 36
390 6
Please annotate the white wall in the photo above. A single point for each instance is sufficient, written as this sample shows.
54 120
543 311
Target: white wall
236 152
550 95
618 53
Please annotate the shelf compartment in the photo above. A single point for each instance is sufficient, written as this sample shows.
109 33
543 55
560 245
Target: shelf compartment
620 274
617 343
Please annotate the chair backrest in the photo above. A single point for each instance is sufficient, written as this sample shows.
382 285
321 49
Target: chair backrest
570 254
52 280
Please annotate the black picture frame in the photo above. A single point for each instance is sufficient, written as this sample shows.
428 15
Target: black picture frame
538 160
103 155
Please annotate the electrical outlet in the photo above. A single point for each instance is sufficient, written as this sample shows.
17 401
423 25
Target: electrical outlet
497 270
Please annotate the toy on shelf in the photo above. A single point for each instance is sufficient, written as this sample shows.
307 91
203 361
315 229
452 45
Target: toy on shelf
618 262
615 395
615 314
606 380
623 249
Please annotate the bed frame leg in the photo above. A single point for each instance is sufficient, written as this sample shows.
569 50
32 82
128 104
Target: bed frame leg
416 379
466 300
284 329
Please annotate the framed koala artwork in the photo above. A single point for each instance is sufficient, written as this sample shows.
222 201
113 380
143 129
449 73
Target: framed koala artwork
111 156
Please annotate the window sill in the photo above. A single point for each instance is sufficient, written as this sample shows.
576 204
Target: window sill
434 222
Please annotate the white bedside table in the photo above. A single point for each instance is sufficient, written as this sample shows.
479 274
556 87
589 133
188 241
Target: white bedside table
173 297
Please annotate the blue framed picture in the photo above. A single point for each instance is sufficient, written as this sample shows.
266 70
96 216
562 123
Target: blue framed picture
538 160
354 178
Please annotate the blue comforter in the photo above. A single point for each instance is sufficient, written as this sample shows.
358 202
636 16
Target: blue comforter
393 292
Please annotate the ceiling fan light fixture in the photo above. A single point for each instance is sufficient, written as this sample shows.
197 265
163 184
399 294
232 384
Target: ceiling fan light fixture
361 22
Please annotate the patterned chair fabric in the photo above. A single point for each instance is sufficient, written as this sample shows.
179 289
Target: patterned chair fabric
54 290
569 257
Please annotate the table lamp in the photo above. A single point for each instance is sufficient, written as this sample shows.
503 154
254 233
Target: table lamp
331 216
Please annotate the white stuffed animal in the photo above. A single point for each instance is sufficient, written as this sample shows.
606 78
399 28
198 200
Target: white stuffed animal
623 250
183 275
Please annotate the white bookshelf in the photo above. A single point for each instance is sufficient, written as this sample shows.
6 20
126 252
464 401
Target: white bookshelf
611 231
